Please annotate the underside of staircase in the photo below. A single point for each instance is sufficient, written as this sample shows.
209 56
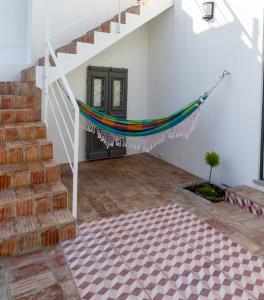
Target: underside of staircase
33 202
88 45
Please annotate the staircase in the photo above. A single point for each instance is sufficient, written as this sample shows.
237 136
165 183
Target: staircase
80 50
33 202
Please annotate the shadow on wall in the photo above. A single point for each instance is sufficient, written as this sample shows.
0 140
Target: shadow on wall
230 121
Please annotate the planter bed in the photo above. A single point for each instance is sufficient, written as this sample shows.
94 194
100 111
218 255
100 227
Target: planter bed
216 199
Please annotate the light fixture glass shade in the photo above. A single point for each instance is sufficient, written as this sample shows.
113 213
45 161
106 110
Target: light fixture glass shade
208 10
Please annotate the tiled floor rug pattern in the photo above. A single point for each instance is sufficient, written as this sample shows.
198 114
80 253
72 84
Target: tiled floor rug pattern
162 253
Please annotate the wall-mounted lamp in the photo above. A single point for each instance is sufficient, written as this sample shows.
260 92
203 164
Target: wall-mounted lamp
208 10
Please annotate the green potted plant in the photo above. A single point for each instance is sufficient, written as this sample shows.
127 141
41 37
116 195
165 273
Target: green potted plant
207 190
212 159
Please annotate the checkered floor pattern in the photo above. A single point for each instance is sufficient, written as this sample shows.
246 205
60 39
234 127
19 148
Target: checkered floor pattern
162 253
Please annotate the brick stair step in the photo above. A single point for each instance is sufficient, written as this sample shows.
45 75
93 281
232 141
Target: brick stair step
25 174
105 27
131 10
18 102
32 200
20 115
20 88
123 18
22 131
29 74
41 61
134 10
25 151
25 234
86 38
70 48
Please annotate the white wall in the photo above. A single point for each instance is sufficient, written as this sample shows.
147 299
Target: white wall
13 31
186 54
15 27
131 53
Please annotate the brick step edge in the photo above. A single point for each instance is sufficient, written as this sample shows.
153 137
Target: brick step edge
32 201
18 88
235 198
20 115
27 234
18 102
24 151
23 131
27 174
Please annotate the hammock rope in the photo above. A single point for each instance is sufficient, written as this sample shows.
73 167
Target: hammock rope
142 134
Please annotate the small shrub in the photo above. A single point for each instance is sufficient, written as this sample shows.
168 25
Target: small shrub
208 191
212 159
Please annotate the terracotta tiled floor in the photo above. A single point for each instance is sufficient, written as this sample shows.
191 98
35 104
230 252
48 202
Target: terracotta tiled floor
113 187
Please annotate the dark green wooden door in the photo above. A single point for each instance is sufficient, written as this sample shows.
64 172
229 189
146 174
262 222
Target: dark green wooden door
107 92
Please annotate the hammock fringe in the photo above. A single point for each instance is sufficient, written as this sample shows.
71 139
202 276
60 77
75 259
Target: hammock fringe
146 143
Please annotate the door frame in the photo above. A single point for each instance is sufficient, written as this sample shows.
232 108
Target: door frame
109 73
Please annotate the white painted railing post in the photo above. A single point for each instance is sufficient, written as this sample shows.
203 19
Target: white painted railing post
119 17
46 66
75 164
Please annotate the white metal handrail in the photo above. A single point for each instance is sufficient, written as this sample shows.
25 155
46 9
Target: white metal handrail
48 102
49 96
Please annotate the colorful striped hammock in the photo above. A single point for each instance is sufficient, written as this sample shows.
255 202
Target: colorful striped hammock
142 134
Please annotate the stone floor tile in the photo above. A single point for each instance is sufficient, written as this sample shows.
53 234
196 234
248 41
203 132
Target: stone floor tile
246 242
69 288
53 292
34 268
221 226
32 285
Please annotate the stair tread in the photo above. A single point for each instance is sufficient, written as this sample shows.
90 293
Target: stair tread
20 109
15 131
30 224
23 143
34 191
19 102
29 173
17 88
34 165
21 115
20 151
16 96
23 124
